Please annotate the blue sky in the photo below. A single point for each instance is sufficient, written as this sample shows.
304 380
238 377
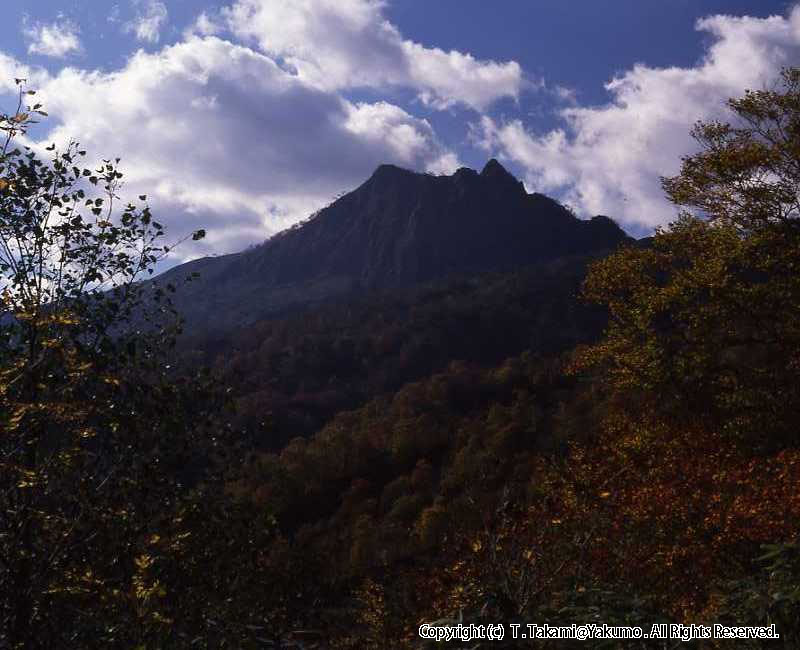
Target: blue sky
245 116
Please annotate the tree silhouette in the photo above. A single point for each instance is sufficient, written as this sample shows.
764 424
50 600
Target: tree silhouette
87 414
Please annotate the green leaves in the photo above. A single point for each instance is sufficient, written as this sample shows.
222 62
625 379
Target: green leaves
746 174
705 322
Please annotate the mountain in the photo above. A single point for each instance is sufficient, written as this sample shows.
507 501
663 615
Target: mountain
397 229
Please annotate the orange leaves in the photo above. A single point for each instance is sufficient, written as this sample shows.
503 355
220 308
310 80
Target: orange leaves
680 508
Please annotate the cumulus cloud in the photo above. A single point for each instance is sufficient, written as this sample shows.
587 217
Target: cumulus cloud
151 15
56 39
222 137
336 44
608 159
246 136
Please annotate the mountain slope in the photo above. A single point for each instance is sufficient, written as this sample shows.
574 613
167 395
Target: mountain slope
397 229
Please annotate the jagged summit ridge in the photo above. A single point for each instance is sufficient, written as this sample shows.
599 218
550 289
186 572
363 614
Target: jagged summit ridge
493 168
398 228
495 173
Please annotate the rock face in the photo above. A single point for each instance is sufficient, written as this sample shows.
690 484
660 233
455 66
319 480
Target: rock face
397 229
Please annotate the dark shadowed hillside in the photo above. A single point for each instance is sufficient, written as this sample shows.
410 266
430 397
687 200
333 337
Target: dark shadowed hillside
397 229
291 374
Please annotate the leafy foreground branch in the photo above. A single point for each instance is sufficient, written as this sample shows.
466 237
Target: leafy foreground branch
108 535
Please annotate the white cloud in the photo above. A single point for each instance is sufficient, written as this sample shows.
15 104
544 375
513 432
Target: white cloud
56 39
244 142
445 164
222 137
384 124
608 159
565 94
204 25
150 17
335 44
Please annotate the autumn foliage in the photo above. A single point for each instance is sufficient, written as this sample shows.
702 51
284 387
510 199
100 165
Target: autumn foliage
632 458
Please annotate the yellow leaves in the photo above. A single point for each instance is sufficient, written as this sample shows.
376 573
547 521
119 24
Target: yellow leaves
145 592
144 587
81 369
178 540
25 478
65 318
477 545
17 416
143 561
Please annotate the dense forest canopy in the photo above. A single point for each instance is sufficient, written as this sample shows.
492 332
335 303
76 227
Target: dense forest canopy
491 448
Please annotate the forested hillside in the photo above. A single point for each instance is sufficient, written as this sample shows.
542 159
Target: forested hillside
290 375
607 435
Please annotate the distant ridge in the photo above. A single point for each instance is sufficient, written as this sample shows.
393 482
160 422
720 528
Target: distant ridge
398 228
